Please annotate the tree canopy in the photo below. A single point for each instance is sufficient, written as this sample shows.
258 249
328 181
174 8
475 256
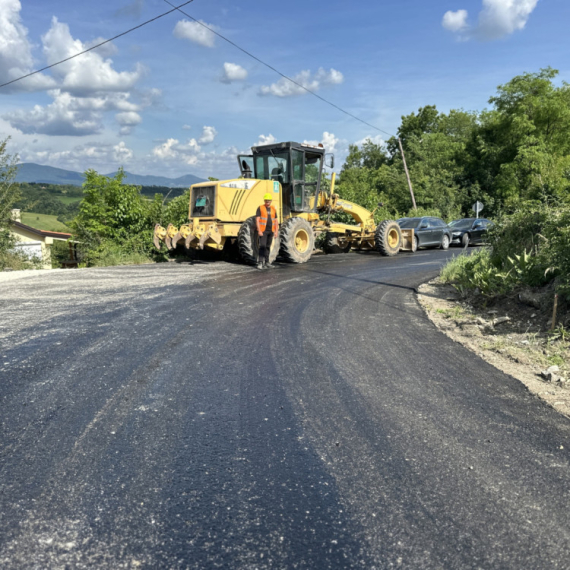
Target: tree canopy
517 150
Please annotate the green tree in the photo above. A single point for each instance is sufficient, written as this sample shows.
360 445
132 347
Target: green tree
114 218
9 194
521 151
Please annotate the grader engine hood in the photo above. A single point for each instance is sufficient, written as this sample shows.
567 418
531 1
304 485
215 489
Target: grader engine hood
223 200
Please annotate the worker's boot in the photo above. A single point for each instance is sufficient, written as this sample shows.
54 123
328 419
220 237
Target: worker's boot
259 265
269 265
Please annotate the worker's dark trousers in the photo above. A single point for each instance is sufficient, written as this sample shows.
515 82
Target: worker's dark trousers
265 242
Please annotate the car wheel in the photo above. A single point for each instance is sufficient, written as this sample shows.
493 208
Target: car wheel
465 240
444 242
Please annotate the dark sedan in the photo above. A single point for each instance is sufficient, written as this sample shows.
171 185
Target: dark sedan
468 231
428 232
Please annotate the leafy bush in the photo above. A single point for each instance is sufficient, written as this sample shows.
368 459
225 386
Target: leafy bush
114 222
475 271
530 247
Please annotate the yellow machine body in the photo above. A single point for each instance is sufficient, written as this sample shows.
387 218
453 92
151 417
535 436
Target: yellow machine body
218 210
233 202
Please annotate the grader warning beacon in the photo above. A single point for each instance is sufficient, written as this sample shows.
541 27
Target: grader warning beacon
222 213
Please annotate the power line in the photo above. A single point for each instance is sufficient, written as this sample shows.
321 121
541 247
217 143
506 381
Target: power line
278 72
98 45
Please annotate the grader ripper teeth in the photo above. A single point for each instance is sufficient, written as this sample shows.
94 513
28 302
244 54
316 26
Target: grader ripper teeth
159 235
171 231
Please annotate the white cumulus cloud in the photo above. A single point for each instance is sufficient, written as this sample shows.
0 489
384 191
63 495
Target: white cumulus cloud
16 53
166 150
88 73
376 139
74 116
265 139
208 135
286 88
233 72
88 88
195 32
329 141
455 21
65 116
100 156
497 19
128 120
173 151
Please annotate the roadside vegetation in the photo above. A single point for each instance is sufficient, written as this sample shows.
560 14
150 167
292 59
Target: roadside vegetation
529 248
115 222
9 194
514 157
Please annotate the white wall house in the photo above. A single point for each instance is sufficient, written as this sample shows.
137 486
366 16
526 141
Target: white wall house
33 242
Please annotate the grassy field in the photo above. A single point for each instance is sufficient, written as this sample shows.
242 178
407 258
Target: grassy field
68 199
43 222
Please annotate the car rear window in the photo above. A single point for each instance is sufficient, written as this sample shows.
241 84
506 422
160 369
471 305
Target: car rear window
409 223
461 224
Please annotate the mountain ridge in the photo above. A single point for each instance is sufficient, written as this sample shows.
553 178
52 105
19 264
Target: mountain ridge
32 172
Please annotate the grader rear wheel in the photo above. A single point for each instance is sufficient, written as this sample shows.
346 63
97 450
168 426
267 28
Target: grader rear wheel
388 238
297 240
333 245
248 243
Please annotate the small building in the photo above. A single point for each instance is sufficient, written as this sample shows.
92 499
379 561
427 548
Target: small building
37 243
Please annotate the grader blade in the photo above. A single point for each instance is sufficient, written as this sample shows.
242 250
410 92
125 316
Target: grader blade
159 235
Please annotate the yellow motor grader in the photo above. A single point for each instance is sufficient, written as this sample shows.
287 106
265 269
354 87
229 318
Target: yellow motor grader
222 213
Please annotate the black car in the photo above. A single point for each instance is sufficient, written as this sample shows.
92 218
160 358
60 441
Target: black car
428 232
469 231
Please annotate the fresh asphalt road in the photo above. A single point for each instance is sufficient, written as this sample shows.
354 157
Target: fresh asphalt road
214 416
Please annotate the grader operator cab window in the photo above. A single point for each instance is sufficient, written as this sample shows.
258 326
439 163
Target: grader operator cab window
307 179
296 167
246 165
203 201
273 167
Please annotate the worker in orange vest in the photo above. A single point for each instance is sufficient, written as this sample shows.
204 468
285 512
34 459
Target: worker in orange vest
267 226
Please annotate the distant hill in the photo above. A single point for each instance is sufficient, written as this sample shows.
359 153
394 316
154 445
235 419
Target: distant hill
30 172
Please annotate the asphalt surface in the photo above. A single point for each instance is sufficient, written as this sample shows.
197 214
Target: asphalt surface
214 416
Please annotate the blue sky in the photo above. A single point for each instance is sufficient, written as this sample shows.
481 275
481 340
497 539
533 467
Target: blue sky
172 99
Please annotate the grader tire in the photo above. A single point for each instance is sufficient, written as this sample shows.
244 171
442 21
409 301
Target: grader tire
297 240
388 238
248 243
332 244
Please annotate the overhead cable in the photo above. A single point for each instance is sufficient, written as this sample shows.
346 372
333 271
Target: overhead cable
98 45
278 72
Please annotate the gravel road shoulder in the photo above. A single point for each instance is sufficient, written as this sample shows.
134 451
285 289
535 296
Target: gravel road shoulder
505 337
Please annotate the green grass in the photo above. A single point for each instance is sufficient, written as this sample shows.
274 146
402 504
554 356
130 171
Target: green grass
69 199
44 222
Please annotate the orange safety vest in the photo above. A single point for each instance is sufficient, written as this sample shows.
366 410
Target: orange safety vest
262 220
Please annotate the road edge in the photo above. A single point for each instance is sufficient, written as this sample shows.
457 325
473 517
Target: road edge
439 300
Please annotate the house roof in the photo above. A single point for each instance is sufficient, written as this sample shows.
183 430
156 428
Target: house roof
42 233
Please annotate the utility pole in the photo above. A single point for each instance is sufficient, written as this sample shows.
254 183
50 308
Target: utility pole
407 173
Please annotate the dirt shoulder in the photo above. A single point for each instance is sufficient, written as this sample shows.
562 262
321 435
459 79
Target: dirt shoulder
509 335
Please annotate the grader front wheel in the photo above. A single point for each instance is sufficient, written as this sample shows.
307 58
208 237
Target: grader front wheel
297 240
388 238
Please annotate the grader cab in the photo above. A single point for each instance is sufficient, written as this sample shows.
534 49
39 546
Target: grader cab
222 213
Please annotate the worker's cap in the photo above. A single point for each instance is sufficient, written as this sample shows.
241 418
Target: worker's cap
268 196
